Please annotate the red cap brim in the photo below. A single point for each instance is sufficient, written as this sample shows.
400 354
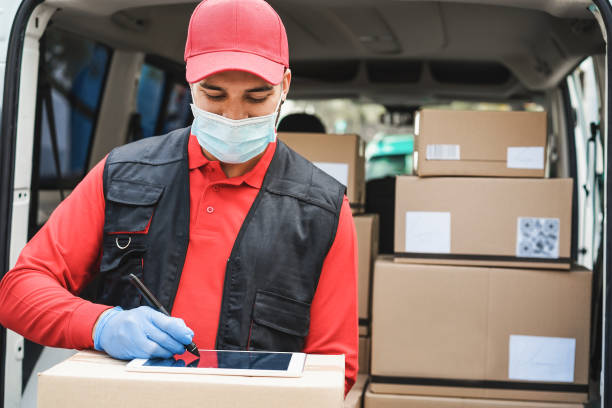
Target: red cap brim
204 65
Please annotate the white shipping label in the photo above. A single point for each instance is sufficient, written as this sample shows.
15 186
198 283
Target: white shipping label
428 232
525 158
537 237
339 171
536 358
443 152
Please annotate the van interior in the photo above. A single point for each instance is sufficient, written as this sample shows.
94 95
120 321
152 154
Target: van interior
99 74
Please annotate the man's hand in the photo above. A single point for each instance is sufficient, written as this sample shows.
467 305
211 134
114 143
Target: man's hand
140 333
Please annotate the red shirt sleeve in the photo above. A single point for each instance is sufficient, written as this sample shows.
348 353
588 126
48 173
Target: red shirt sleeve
334 321
38 296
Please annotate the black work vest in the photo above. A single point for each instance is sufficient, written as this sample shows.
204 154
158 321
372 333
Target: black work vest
274 267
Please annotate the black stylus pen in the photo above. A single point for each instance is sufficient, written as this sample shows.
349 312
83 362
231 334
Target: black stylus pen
144 291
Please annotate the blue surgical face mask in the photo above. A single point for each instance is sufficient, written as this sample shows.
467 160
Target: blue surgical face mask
234 141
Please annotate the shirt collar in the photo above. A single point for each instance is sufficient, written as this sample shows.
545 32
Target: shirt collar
253 178
195 154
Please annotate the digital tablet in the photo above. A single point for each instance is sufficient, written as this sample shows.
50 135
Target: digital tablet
224 362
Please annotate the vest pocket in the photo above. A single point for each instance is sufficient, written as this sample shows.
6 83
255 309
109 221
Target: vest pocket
279 323
122 254
130 205
129 210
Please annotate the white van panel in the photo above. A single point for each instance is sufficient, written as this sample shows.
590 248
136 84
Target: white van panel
23 172
13 372
8 9
27 96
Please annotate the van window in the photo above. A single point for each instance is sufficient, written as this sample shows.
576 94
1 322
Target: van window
73 71
150 94
371 121
71 78
163 97
339 115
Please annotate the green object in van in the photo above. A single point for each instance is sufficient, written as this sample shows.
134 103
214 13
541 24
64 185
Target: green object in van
389 156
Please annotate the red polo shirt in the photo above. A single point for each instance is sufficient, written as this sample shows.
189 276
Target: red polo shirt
38 296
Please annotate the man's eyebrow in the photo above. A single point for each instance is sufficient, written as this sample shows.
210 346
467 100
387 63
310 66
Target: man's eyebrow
211 87
261 88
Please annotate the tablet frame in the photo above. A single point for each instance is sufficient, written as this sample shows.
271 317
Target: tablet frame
295 368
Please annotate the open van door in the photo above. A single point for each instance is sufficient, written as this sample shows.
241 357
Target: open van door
17 21
605 17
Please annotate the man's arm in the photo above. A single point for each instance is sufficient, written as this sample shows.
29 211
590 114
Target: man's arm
334 324
38 296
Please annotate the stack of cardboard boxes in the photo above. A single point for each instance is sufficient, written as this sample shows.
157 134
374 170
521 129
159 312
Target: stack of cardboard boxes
480 306
343 157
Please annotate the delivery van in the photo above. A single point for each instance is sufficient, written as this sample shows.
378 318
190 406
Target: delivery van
80 77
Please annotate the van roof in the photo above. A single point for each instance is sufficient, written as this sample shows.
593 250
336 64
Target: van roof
390 51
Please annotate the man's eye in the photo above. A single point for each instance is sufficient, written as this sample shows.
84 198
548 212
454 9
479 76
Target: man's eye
215 97
256 100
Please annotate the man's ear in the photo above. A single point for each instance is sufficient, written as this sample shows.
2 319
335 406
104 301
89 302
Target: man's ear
286 83
192 89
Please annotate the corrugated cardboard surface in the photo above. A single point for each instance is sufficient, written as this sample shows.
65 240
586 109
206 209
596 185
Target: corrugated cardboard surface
429 321
366 227
483 139
355 396
90 379
454 323
373 400
484 214
334 148
364 354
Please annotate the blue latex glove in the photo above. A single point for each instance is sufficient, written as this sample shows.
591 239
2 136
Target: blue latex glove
140 333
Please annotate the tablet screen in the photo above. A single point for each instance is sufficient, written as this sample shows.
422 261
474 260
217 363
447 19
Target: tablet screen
226 359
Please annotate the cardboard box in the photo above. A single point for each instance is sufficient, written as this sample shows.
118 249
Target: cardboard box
481 143
481 332
364 354
373 400
484 221
355 396
366 227
342 156
94 380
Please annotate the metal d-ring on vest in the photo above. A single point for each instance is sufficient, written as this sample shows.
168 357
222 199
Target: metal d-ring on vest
126 245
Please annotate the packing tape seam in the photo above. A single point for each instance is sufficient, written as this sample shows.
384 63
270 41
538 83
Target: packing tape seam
476 257
492 384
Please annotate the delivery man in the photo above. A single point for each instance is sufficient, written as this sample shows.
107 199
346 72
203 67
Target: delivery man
249 245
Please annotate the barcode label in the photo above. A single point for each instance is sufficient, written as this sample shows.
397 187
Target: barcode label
443 152
537 237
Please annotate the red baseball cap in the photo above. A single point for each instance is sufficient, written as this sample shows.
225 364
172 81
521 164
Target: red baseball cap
243 35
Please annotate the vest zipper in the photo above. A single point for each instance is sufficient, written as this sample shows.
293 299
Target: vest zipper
186 209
